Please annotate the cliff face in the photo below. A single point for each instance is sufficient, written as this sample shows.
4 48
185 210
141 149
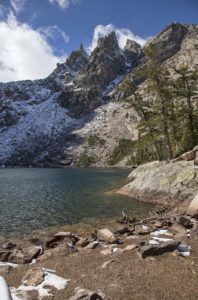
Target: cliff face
54 120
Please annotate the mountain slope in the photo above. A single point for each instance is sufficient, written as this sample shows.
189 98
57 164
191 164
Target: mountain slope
75 111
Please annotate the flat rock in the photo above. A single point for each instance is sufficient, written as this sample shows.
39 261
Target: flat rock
93 245
33 277
158 249
25 255
143 229
128 248
106 235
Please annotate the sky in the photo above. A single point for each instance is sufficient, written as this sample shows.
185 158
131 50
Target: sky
37 34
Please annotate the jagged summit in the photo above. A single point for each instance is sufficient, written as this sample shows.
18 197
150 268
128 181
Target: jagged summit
50 120
77 59
108 41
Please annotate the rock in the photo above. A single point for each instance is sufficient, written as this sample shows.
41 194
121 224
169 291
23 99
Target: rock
160 182
63 234
54 242
124 229
142 229
190 155
106 235
186 222
106 252
24 295
83 242
8 246
158 249
128 248
4 255
33 277
106 263
65 248
5 290
93 245
25 255
5 270
87 295
193 208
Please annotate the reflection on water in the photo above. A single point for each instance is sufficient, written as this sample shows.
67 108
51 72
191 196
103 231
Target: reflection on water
31 199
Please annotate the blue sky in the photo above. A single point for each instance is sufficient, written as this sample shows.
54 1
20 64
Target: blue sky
64 24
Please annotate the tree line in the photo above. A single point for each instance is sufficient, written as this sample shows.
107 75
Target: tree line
167 107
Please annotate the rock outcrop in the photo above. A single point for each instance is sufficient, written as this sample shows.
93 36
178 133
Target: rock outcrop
164 183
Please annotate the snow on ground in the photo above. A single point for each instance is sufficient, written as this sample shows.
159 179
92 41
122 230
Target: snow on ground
4 290
50 279
44 119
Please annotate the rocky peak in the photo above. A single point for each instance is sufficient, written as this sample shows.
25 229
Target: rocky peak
108 42
77 59
107 61
132 46
133 52
170 39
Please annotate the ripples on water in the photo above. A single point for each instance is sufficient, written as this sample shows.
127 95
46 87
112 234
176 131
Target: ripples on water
31 199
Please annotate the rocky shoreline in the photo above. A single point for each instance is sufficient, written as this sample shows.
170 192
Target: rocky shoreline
70 266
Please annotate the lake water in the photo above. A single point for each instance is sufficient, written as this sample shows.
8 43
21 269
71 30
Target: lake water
32 199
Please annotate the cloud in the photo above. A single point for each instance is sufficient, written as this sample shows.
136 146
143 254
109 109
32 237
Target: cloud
17 5
122 35
64 3
25 52
54 32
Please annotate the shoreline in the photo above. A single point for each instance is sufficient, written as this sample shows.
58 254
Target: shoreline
96 259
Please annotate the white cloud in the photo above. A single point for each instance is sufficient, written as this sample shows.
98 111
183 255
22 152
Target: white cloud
53 32
17 5
122 35
24 53
64 3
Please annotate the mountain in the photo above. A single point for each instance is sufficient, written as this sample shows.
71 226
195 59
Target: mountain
74 116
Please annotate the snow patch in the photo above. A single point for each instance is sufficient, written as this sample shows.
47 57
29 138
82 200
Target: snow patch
50 279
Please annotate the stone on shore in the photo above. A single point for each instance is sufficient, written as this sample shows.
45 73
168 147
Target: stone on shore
193 208
106 235
142 229
83 242
33 277
25 255
158 248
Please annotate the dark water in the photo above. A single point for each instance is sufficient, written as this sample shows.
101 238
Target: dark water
31 199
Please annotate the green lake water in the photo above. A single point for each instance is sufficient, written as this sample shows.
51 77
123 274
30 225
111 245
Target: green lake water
31 199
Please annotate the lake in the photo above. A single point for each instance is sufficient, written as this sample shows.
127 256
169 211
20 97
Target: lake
32 199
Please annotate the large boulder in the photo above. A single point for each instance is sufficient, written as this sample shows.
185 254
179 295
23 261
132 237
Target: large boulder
25 255
158 249
106 235
193 208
